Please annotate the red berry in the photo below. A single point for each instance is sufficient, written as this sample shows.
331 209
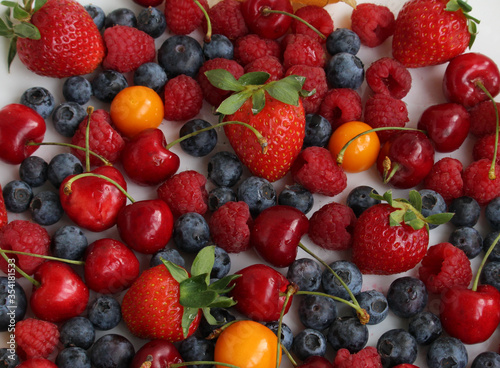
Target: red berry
388 76
478 184
315 80
184 16
251 47
372 23
302 50
183 98
445 178
212 94
268 64
484 147
341 105
37 363
227 19
366 357
382 110
316 16
36 338
483 119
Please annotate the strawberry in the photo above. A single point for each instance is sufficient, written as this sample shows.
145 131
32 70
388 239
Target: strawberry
392 237
3 210
54 38
430 32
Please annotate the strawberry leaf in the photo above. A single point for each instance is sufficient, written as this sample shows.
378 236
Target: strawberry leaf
194 293
188 316
12 51
38 5
232 103
223 302
27 30
177 272
204 262
5 31
208 316
258 101
439 218
287 89
21 14
224 80
415 200
253 78
10 4
221 285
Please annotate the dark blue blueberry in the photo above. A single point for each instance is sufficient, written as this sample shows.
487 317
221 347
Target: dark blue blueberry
466 211
447 352
297 196
33 171
17 196
345 70
375 304
105 313
152 21
112 351
492 213
286 333
73 357
69 242
432 203
61 166
359 199
425 327
197 349
348 333
488 241
180 54
489 359
167 254
222 264
467 239
224 169
200 144
305 273
191 232
407 296
40 100
221 315
46 208
316 311
318 131
97 14
9 358
397 346
343 40
309 342
258 193
219 47
77 331
120 16
67 117
77 89
150 75
107 84
13 303
491 274
220 196
350 275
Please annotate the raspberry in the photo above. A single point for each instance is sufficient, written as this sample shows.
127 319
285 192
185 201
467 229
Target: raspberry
331 226
315 80
212 94
230 226
227 19
372 23
316 16
482 118
36 338
316 170
384 111
103 139
445 266
3 211
477 183
268 64
37 363
251 47
341 105
302 50
484 147
183 98
445 178
127 48
24 236
366 357
184 16
389 76
185 192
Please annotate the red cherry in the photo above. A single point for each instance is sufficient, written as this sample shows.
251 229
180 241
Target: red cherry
148 3
314 361
162 352
265 25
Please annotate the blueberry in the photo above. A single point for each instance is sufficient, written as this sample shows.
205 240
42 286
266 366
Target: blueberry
33 171
105 313
152 21
345 70
69 242
488 359
77 89
168 254
150 75
221 315
73 357
46 208
77 331
375 304
347 333
224 169
121 16
309 342
425 327
97 14
107 84
286 333
219 47
13 303
17 196
258 193
67 117
8 358
467 239
191 232
318 131
407 296
447 352
397 346
466 211
359 199
112 351
61 166
350 275
220 196
222 264
200 144
488 242
197 349
432 203
343 40
316 311
40 100
180 54
297 196
305 273
491 274
492 213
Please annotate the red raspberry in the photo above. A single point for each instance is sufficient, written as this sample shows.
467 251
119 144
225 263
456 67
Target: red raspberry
331 226
366 357
212 94
251 47
184 16
227 19
185 192
127 48
484 147
477 183
341 105
230 226
483 119
37 363
183 98
36 338
445 178
316 170
384 111
372 23
316 16
315 80
445 266
3 211
302 50
388 76
268 64
103 139
24 236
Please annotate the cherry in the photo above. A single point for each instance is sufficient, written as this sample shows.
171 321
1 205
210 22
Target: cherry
264 24
160 353
314 361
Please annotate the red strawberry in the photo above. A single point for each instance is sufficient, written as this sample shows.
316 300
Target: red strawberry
3 211
430 32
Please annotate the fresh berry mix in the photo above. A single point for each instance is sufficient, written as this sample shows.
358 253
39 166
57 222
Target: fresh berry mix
407 296
341 105
183 98
383 111
373 23
39 99
389 76
348 333
251 47
36 338
184 16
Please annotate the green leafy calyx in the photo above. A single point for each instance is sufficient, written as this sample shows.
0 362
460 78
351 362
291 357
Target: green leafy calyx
456 5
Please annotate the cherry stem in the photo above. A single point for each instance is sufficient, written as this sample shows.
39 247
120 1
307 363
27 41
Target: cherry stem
104 160
389 166
208 35
67 186
483 262
291 289
266 10
49 258
290 357
19 270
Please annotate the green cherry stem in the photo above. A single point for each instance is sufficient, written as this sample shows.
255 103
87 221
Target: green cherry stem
290 357
208 35
291 289
20 271
483 262
48 258
267 10
104 160
67 186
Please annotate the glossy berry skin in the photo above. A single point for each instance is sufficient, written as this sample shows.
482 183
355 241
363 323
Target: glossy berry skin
264 25
147 3
162 351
